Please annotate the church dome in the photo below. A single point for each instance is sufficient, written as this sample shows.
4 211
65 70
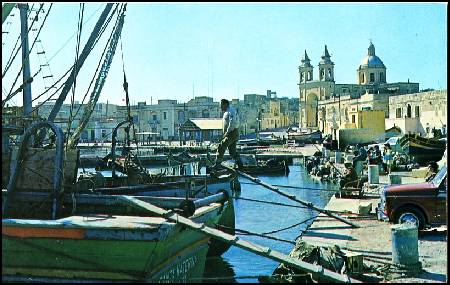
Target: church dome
371 60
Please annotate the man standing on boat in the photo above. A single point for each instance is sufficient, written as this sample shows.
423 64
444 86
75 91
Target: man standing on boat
230 125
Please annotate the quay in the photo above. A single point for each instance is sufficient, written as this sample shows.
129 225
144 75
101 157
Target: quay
373 240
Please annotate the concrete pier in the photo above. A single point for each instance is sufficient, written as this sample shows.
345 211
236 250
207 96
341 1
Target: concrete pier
373 239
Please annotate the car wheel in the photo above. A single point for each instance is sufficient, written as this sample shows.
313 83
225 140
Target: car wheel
410 215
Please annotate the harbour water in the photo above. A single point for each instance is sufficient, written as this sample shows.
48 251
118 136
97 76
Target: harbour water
238 265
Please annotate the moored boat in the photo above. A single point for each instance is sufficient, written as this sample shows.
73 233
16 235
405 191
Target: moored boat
87 236
304 136
101 248
422 150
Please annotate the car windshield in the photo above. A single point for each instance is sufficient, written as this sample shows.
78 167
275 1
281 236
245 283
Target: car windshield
440 176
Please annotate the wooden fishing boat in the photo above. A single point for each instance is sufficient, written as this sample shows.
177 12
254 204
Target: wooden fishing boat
267 167
422 150
305 137
272 166
58 228
86 235
101 248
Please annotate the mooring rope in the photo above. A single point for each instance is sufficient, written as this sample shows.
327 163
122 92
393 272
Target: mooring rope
296 187
244 232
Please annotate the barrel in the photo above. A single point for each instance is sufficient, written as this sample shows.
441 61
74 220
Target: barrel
395 179
373 174
338 157
405 249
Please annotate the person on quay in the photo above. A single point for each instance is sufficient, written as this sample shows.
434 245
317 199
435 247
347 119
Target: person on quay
387 157
230 122
431 171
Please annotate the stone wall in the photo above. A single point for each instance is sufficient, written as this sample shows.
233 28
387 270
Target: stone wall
419 112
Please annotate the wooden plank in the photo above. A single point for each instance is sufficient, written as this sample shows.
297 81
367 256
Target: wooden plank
291 197
234 240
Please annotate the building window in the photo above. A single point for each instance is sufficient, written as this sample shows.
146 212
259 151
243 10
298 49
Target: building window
154 118
353 119
398 113
165 115
309 75
417 111
381 77
362 78
372 77
322 73
408 111
301 77
329 73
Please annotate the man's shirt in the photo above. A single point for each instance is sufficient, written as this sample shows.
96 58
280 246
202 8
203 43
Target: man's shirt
230 120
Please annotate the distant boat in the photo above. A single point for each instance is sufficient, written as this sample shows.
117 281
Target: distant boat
267 167
304 136
423 150
261 141
272 166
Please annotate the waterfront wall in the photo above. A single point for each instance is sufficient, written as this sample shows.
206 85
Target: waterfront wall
354 136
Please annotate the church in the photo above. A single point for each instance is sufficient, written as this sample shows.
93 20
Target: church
328 107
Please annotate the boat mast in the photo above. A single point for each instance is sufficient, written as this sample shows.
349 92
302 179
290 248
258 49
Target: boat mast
25 59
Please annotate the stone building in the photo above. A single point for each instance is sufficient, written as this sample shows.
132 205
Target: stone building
419 112
326 106
261 112
273 118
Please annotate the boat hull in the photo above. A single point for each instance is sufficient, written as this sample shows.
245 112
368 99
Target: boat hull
422 150
117 248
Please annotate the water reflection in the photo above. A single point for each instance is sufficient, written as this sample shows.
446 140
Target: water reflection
218 270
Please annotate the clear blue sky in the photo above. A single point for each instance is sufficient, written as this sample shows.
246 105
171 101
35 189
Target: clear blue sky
227 50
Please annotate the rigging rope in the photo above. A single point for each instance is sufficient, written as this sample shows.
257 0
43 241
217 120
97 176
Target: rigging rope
67 41
25 61
80 27
9 62
84 54
127 98
100 81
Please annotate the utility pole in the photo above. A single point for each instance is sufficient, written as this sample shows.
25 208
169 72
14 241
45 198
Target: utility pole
27 108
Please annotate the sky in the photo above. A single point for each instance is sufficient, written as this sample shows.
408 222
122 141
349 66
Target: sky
225 50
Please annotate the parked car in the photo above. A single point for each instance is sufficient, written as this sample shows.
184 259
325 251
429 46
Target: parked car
423 204
394 142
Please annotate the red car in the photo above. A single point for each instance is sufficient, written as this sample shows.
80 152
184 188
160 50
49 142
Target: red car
424 204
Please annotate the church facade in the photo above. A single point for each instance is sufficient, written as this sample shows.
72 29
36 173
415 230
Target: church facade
327 106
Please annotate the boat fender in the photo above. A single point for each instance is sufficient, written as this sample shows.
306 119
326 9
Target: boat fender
226 194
